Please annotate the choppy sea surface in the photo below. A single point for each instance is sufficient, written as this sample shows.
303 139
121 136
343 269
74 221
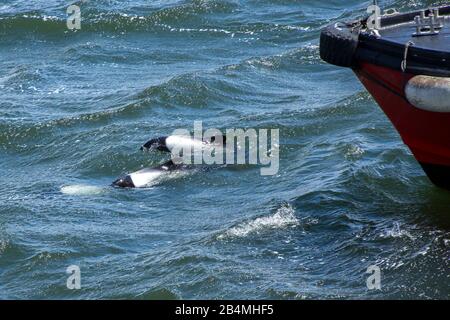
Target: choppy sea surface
76 106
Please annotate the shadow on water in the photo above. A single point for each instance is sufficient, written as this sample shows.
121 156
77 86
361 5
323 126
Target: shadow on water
437 207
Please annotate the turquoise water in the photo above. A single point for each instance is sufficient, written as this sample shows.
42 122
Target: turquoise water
76 106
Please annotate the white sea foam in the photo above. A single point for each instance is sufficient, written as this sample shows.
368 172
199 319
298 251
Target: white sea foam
284 217
4 8
354 150
82 190
4 244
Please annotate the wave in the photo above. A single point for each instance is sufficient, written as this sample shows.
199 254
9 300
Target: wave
189 17
121 22
20 74
112 20
155 294
192 89
284 217
9 248
305 55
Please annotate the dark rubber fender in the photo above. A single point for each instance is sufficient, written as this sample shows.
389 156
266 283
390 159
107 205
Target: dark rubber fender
338 44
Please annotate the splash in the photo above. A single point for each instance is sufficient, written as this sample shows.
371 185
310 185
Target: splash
82 190
284 217
396 232
4 244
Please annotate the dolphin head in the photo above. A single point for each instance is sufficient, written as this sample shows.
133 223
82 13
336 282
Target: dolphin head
125 182
158 144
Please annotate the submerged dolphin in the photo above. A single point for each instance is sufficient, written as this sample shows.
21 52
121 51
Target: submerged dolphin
146 176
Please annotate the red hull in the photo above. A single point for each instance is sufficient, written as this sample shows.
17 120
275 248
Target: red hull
426 133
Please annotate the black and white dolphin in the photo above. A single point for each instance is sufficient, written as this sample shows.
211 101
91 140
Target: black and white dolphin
147 176
167 144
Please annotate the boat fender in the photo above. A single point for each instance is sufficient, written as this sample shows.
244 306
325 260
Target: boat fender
338 44
429 93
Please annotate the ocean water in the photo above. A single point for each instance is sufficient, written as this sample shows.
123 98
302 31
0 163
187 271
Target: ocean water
76 106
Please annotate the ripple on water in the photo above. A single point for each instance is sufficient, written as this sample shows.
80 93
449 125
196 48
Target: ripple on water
158 294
